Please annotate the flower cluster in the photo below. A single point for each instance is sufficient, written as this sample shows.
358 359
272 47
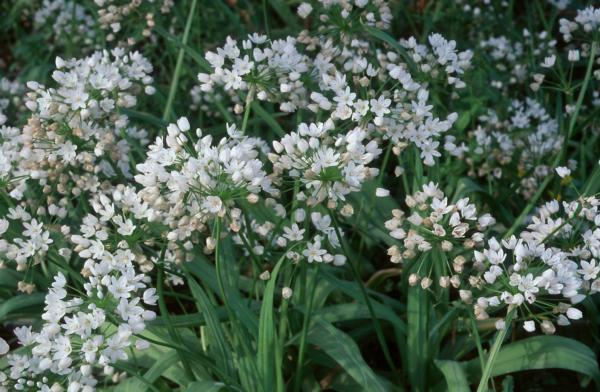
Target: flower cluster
70 22
84 335
587 21
440 59
25 241
271 70
512 58
10 100
188 183
434 222
329 166
542 273
76 133
514 150
121 17
337 27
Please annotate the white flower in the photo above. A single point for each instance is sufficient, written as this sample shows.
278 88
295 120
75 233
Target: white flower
500 324
150 296
3 226
4 347
549 61
313 251
381 192
304 10
563 171
212 204
529 326
573 55
68 151
589 270
294 233
286 293
574 313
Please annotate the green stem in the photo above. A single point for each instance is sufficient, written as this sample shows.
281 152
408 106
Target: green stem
217 236
384 164
477 338
175 81
487 371
247 109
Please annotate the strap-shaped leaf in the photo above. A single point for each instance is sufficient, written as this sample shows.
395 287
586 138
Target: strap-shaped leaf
222 351
342 349
542 352
267 333
455 376
205 386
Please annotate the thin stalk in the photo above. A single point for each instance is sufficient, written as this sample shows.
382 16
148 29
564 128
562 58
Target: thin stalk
175 80
304 335
487 371
477 339
217 235
384 164
247 109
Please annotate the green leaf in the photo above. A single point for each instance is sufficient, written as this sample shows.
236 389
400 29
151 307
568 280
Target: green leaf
282 8
21 303
197 57
267 335
456 379
145 117
542 352
341 348
213 325
417 339
204 386
463 121
268 118
136 384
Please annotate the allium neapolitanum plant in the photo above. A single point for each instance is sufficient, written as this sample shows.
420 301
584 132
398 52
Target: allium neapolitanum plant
349 195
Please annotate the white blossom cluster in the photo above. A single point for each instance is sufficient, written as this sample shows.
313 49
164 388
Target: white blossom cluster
552 265
70 22
587 21
434 221
579 32
187 183
335 31
75 133
257 68
512 58
30 246
122 18
516 149
84 335
329 166
10 99
311 239
335 17
353 80
440 58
